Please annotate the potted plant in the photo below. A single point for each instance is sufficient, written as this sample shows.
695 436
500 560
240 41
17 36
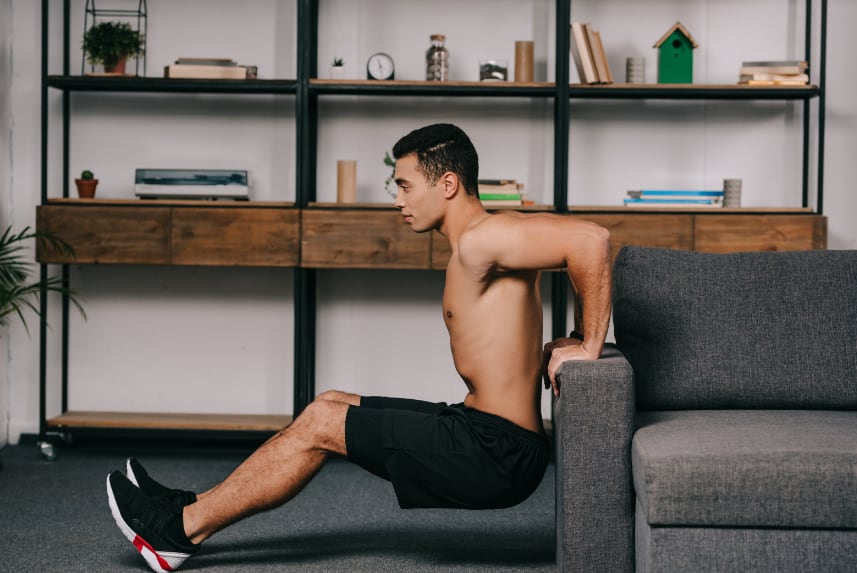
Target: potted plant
337 69
16 292
86 184
390 162
111 44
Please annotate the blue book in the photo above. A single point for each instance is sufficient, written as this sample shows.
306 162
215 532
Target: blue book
672 202
690 193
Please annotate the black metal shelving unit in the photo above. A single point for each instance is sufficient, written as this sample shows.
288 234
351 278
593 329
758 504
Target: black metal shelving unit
307 90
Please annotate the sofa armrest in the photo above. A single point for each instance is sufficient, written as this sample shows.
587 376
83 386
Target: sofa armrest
593 427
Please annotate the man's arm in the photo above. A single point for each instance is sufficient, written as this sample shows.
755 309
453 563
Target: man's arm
543 241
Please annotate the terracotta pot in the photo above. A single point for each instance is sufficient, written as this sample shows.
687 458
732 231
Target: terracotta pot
118 69
86 188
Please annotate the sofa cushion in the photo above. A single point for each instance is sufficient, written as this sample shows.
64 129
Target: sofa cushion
747 468
743 330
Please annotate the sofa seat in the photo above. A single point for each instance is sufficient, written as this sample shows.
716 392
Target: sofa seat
747 468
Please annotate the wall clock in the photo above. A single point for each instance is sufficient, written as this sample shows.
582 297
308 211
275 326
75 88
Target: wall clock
380 67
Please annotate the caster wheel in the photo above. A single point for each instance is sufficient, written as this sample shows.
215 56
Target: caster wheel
48 451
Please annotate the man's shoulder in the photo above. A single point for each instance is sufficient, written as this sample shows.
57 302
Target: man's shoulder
482 243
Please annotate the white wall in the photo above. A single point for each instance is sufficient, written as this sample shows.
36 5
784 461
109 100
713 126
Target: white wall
5 195
209 340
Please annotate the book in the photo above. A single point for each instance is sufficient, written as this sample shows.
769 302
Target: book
499 186
599 58
603 57
195 71
508 188
774 67
771 83
674 193
672 202
496 181
776 63
582 55
773 79
500 196
501 203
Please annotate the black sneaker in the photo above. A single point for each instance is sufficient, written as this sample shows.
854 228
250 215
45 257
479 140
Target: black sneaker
173 498
146 523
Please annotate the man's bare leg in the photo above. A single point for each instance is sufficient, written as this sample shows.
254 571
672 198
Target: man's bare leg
277 471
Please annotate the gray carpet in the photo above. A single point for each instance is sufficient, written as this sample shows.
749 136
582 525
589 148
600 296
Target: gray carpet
54 517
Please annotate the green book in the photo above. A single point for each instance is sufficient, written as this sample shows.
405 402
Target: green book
499 196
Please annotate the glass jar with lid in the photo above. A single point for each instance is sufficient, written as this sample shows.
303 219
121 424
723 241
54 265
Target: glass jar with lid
437 60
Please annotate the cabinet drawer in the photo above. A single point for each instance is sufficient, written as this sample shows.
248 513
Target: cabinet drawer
242 237
645 230
340 238
735 233
101 234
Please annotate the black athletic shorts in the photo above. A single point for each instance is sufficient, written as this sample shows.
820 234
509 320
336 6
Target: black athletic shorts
445 456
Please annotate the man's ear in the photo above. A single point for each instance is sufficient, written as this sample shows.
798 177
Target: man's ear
450 184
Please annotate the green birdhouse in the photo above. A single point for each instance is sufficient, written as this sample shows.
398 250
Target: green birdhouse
675 56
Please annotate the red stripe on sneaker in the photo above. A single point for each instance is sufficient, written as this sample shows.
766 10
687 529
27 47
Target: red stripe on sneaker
140 543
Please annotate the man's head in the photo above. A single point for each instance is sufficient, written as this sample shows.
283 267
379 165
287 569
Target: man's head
442 148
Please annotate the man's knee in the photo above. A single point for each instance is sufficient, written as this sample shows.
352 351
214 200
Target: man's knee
322 424
338 396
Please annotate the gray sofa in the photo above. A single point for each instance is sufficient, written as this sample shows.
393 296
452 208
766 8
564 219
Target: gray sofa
720 432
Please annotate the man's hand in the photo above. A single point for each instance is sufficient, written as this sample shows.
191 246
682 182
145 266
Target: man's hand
559 351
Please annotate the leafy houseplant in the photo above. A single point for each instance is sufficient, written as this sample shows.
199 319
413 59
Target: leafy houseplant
111 43
86 184
389 162
16 292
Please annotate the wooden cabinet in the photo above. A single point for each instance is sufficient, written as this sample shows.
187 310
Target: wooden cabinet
106 235
748 230
128 233
361 239
240 237
768 232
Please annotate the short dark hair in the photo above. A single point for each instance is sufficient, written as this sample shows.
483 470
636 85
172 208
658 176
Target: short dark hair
439 148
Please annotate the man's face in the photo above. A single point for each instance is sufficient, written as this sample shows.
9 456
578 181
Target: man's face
421 204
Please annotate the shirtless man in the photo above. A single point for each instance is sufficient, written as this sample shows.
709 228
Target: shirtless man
488 452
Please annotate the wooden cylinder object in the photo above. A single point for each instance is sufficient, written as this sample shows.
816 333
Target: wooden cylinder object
524 61
346 181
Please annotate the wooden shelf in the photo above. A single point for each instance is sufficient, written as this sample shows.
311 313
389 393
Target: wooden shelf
693 91
695 210
227 203
391 207
371 235
161 421
170 85
415 87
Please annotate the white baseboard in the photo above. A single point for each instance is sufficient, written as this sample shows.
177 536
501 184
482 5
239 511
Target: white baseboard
15 431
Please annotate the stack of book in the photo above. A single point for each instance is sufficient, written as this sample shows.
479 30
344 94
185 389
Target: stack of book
588 53
206 68
500 192
674 198
774 73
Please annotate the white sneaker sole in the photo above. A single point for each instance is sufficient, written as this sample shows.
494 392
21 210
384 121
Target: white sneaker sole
161 562
129 473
